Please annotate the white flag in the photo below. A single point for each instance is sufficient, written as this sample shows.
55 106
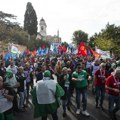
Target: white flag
14 49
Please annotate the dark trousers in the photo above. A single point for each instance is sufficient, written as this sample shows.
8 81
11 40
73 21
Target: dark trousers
15 103
100 94
66 101
113 104
83 92
54 116
28 90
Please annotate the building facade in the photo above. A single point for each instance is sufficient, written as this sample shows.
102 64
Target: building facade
42 35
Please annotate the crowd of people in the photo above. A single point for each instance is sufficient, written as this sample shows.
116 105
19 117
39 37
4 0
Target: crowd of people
34 76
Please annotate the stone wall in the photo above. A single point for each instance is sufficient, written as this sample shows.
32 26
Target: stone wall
4 47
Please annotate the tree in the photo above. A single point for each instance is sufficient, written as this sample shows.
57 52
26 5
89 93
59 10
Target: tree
4 17
11 31
30 20
104 43
108 38
19 36
79 36
6 25
91 42
35 44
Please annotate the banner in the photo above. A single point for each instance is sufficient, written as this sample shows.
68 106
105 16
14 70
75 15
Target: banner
97 55
54 47
14 49
104 54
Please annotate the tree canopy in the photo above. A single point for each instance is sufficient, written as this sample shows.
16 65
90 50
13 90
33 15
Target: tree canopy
8 29
108 38
30 20
12 32
79 36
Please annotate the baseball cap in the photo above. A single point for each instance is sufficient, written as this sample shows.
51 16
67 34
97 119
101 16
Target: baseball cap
47 73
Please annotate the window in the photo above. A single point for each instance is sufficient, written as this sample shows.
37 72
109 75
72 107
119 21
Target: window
42 28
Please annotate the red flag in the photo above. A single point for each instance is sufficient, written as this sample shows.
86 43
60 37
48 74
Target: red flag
60 47
34 53
91 50
82 49
97 55
64 49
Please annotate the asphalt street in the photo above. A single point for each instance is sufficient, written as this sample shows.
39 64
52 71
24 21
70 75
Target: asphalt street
95 114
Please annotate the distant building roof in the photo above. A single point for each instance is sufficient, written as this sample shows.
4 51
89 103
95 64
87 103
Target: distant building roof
42 19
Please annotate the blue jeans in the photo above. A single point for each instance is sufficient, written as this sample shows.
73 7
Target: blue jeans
99 94
83 92
22 99
113 104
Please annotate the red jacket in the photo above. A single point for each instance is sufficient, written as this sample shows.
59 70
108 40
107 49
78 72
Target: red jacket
112 83
100 78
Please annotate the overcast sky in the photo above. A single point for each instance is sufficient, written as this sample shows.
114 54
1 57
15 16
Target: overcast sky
68 15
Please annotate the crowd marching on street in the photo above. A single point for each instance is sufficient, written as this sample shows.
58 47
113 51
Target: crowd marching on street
74 75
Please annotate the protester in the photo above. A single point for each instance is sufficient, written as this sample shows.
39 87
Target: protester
6 104
73 73
2 69
12 82
58 69
12 67
65 84
113 90
28 80
45 97
89 66
22 88
112 69
108 65
39 73
99 83
95 67
118 63
71 86
80 78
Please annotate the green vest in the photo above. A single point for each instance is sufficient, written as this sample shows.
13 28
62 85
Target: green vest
8 116
44 109
81 79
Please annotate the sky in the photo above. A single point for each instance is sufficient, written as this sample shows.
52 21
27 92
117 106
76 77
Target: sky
68 16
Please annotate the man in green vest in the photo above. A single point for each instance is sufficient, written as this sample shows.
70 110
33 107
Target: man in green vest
118 63
45 97
80 81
